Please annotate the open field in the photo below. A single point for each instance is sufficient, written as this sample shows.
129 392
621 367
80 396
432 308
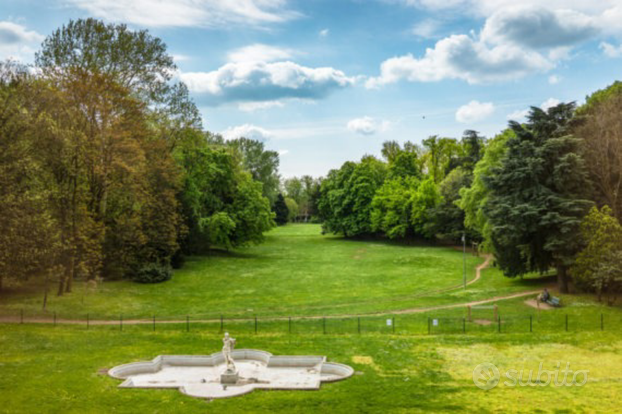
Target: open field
297 272
55 370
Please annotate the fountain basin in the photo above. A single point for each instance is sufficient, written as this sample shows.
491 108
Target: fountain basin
199 375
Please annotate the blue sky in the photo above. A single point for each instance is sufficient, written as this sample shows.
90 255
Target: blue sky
326 81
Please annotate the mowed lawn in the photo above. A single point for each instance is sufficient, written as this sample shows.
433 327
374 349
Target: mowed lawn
297 271
61 369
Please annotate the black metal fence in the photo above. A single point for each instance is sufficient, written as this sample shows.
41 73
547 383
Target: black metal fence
364 324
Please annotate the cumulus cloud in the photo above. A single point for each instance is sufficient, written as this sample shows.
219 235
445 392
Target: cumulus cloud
462 57
474 111
259 53
367 125
283 152
17 42
247 131
262 81
611 50
189 13
537 27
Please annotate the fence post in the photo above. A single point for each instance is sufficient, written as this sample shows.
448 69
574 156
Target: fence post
54 318
121 322
289 324
602 322
566 322
153 323
469 314
21 316
255 323
359 324
463 325
222 323
324 324
187 323
530 323
87 321
499 323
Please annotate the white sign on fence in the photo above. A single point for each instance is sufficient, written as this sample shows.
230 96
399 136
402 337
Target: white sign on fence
435 322
389 322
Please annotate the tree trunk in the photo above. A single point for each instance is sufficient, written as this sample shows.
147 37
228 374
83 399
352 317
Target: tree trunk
45 294
562 279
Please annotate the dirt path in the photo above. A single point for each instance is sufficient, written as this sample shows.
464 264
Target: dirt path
13 319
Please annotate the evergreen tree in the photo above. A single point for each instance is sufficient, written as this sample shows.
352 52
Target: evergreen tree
280 210
538 196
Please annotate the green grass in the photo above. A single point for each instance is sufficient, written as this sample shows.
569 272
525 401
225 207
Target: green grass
296 272
55 370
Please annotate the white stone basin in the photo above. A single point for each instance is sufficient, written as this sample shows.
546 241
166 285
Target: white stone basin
199 375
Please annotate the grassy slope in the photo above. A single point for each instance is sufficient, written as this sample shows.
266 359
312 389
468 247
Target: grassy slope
297 271
49 370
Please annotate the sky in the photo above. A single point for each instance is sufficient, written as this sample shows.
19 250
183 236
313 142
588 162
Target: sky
327 81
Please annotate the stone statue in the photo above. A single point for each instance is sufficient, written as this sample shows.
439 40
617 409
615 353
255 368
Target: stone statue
227 350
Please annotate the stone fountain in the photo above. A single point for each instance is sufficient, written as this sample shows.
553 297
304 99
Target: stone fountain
231 372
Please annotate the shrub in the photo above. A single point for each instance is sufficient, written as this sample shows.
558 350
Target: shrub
153 273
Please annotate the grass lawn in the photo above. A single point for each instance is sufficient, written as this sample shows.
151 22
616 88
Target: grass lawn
55 370
296 272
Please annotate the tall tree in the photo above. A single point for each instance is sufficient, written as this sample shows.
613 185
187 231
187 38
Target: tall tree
538 196
281 211
262 164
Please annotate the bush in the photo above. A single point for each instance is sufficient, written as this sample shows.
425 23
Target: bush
153 273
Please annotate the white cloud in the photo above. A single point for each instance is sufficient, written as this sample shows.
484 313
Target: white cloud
518 115
554 79
538 27
259 53
426 29
257 106
261 81
324 32
611 50
474 111
247 131
549 103
461 57
17 42
367 125
283 152
189 13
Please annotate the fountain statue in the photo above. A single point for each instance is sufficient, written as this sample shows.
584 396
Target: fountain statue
230 376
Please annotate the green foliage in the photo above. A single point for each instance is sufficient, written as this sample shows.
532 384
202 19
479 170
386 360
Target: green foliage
473 198
281 212
424 199
262 164
347 194
538 196
292 209
392 207
152 273
602 234
446 220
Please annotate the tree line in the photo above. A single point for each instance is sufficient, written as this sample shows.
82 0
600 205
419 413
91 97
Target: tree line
106 171
544 194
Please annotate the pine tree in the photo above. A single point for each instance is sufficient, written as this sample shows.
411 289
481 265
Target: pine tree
280 209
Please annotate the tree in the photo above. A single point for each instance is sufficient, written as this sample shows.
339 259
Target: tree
392 207
440 156
262 164
446 220
600 127
602 234
346 196
292 209
538 196
473 199
280 210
